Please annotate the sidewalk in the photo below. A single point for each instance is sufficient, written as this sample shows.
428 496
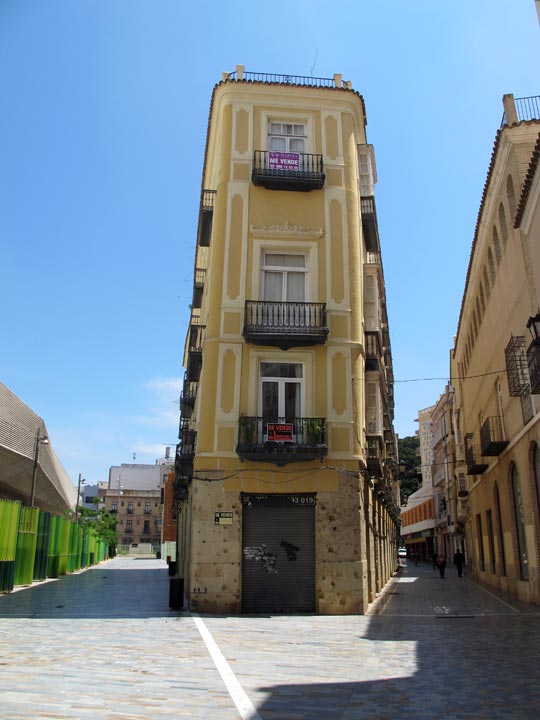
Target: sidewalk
420 591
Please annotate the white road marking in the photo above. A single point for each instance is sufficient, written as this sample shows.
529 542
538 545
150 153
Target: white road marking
243 703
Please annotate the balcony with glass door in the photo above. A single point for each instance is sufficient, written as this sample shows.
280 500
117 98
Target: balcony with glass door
286 165
281 433
283 317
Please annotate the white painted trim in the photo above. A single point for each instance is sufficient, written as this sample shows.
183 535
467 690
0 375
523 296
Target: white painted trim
243 704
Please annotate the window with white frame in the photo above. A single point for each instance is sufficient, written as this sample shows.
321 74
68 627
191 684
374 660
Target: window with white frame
287 137
371 302
280 391
284 277
373 409
365 171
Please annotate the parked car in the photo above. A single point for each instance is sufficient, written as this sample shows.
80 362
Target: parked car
402 552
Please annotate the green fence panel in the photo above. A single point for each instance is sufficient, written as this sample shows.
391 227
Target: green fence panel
9 525
54 548
26 546
63 559
42 545
75 547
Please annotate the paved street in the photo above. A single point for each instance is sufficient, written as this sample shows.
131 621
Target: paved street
103 644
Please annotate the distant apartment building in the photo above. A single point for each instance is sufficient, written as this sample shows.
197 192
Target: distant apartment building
286 471
496 357
134 496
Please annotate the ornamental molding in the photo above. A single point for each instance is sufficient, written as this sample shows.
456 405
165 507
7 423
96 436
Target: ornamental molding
297 231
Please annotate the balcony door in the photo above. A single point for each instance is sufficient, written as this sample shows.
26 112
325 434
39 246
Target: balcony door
280 396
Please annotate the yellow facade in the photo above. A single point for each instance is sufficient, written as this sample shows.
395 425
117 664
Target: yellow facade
497 409
278 405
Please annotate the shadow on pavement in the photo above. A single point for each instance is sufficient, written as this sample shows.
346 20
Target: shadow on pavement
431 666
99 592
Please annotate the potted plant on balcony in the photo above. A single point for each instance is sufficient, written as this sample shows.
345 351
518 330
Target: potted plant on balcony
314 431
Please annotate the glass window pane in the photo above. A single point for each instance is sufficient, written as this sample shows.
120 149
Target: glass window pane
278 144
296 287
274 259
292 400
281 370
287 129
270 400
275 128
299 130
296 145
273 286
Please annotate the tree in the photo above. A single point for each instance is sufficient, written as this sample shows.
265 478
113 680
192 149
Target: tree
102 522
411 478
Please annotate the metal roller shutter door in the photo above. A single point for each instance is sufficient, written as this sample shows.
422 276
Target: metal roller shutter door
278 564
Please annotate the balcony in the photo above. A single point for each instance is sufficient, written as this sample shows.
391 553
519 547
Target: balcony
186 448
370 226
187 397
206 215
287 170
533 362
516 366
285 324
473 457
374 455
195 343
281 441
492 440
198 287
373 350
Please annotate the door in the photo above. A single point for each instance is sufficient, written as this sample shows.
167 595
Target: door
278 544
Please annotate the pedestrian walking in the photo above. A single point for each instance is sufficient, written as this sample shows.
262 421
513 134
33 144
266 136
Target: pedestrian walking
459 562
416 556
434 560
441 564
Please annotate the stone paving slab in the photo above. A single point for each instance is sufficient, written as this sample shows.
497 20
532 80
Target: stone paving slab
103 644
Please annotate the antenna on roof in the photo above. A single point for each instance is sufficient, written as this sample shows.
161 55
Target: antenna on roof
312 68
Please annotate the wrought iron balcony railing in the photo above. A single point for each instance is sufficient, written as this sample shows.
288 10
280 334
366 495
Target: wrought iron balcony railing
474 461
375 454
370 227
281 440
285 324
533 362
285 79
492 440
206 214
187 397
287 170
527 108
373 350
516 366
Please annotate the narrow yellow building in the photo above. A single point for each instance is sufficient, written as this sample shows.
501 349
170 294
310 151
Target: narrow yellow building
497 364
286 475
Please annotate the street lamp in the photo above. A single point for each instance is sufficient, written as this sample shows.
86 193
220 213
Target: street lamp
81 482
40 440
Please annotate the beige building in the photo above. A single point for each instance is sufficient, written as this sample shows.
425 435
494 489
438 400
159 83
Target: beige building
286 470
134 496
497 363
418 519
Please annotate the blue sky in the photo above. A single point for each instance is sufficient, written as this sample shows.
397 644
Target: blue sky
102 130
